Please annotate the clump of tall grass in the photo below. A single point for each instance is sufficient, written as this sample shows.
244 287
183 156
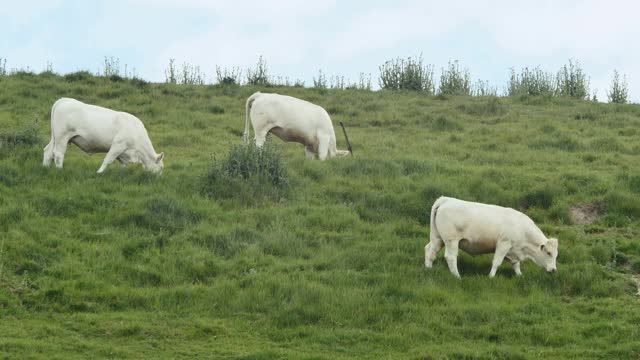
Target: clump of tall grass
111 66
28 135
226 76
320 82
187 75
259 76
248 174
619 89
3 67
364 82
25 136
191 75
571 81
407 74
170 73
337 82
534 82
164 214
286 81
483 88
454 81
79 76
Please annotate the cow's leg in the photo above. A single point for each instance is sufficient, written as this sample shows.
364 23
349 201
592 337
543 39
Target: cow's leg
323 147
515 264
123 164
502 248
451 255
432 248
116 150
260 135
48 154
59 149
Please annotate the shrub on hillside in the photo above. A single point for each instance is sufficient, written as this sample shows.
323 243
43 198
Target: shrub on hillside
28 135
571 81
619 89
78 76
483 88
454 81
228 76
248 174
3 67
259 75
407 74
534 82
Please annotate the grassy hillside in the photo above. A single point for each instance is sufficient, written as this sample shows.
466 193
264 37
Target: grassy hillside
130 265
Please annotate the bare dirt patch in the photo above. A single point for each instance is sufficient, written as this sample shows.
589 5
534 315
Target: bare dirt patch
585 214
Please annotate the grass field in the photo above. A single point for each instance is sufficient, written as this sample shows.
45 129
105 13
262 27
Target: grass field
132 265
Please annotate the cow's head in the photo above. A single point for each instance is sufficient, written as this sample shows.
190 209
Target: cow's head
156 164
546 255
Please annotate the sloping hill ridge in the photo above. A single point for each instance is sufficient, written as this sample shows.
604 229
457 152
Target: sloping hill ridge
131 265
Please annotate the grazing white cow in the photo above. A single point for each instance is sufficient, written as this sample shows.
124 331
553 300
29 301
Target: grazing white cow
96 129
292 120
480 229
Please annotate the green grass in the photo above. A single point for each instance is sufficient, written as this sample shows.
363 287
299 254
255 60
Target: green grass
131 265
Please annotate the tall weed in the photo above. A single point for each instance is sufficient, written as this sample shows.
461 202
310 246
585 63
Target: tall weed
248 174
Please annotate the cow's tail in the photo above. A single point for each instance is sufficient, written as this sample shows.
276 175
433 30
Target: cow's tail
247 120
48 150
434 235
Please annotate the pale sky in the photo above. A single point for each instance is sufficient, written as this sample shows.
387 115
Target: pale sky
297 38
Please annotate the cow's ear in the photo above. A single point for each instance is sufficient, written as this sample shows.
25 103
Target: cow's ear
160 157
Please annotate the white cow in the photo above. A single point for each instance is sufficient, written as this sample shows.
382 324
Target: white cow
480 228
96 129
292 120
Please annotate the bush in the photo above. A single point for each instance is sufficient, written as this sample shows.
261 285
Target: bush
483 88
533 82
453 81
228 76
321 81
3 67
191 75
619 89
78 76
111 67
216 109
138 82
248 174
29 135
259 76
571 81
407 74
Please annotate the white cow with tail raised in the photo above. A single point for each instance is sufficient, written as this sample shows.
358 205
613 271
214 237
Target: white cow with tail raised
292 120
95 129
480 229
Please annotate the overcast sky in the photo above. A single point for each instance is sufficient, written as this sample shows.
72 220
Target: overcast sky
297 38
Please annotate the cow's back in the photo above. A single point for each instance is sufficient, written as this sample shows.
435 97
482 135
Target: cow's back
96 125
473 220
289 112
